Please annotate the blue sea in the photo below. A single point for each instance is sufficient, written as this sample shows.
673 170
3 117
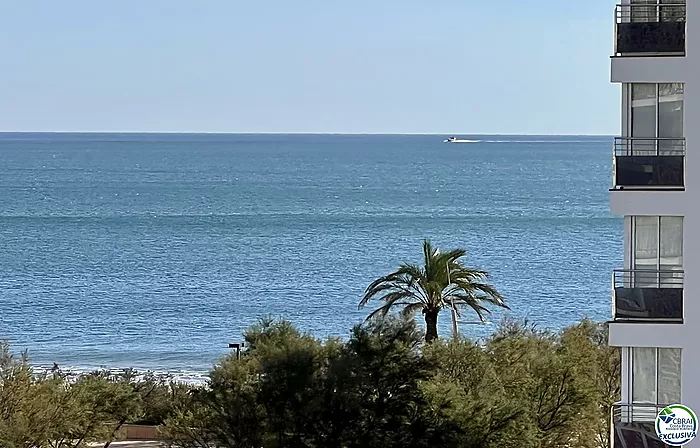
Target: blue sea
155 251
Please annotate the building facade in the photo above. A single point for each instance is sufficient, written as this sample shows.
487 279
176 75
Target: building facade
656 308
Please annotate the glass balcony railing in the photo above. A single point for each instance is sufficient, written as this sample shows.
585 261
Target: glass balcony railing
649 162
650 29
647 295
633 426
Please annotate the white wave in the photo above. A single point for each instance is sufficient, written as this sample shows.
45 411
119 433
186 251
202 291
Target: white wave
177 376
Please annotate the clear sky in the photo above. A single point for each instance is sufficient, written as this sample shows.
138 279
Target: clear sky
365 66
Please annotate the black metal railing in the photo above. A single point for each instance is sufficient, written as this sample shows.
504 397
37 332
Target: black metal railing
649 162
651 29
633 425
648 295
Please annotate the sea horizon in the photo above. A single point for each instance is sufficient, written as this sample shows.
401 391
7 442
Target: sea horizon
304 133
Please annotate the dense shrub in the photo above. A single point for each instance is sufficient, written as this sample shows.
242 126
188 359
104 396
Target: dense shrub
383 387
49 410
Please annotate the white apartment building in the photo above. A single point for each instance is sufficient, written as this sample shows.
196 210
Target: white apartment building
656 294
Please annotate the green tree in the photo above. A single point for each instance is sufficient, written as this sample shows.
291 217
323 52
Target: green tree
291 390
102 404
384 372
477 397
226 413
606 372
555 377
265 398
441 283
48 411
291 367
382 388
35 410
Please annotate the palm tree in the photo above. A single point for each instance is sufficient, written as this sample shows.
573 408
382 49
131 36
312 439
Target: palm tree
441 283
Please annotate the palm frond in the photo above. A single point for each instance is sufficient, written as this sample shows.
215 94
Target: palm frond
441 282
384 310
494 300
483 292
404 279
466 300
411 309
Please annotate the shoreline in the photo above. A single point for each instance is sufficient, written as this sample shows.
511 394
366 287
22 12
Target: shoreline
177 376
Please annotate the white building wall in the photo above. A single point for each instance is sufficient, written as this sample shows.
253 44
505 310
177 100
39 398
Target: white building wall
626 203
691 240
647 335
650 203
661 69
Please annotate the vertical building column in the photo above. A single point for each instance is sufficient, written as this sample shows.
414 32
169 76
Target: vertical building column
691 238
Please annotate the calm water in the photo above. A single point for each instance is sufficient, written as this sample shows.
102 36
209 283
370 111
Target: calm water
156 251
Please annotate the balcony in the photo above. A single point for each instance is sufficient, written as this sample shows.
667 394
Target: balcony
649 162
633 426
650 30
648 296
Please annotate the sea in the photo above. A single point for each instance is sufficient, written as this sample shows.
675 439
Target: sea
155 251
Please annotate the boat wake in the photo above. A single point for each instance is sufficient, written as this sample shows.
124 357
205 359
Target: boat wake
537 141
454 140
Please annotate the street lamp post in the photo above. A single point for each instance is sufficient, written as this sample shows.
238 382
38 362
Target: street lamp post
455 330
237 346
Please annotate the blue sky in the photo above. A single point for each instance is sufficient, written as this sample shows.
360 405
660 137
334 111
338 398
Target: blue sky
382 66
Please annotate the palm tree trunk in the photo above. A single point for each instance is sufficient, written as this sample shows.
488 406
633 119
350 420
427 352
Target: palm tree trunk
431 318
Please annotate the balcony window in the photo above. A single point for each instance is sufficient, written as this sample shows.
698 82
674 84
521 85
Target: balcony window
670 10
652 287
655 375
656 111
670 110
646 296
649 163
650 27
657 244
645 11
652 153
653 378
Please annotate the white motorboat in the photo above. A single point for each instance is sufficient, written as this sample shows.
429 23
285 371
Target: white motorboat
456 140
